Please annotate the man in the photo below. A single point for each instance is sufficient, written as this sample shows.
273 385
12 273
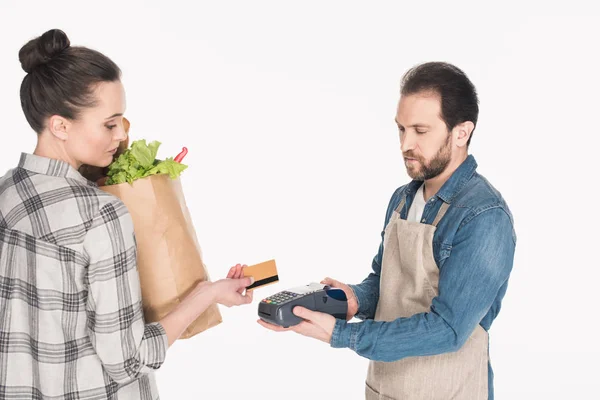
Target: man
443 264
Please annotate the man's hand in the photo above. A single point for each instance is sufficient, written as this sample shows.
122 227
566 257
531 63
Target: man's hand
316 325
352 301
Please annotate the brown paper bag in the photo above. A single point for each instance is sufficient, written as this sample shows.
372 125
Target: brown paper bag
169 256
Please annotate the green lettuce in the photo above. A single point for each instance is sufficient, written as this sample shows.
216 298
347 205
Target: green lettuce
139 161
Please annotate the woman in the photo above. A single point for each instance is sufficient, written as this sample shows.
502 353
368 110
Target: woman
71 320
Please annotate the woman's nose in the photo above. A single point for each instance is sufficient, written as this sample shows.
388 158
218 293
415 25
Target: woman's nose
121 134
123 130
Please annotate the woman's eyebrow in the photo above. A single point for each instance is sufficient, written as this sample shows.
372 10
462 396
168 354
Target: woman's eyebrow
115 115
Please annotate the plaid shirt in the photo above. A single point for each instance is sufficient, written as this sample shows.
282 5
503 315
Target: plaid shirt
71 320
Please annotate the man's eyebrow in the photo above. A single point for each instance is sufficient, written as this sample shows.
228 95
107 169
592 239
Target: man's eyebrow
417 125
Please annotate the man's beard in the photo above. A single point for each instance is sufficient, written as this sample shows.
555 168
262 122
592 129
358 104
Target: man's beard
434 167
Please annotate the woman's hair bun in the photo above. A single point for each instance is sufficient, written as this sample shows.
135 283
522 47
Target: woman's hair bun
42 49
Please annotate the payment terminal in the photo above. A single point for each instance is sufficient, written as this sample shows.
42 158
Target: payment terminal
277 309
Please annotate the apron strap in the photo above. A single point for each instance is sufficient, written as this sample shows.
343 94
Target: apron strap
441 213
438 217
402 203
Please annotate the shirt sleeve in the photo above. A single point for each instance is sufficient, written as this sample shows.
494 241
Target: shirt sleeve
470 281
367 292
125 344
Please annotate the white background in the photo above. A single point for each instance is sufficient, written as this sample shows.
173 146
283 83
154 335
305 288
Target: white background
287 109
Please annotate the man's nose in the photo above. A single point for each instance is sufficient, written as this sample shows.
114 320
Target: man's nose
407 142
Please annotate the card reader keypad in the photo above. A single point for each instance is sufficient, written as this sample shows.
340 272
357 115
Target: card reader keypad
280 298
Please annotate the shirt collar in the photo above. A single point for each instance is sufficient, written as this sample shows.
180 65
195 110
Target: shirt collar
457 180
51 167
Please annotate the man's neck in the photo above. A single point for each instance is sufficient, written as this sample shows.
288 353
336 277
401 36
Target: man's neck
433 185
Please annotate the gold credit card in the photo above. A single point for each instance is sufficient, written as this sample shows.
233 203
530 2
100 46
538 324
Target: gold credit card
264 274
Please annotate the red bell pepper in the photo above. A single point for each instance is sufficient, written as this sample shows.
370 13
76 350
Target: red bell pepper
180 156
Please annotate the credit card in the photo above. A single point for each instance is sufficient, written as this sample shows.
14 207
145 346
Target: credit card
264 274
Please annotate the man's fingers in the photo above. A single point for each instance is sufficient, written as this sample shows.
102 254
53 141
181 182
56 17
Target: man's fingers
305 313
304 328
308 329
331 282
275 328
301 328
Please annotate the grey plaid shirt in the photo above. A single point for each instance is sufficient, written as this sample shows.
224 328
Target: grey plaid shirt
71 320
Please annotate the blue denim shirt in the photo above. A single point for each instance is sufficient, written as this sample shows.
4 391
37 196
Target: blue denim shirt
473 246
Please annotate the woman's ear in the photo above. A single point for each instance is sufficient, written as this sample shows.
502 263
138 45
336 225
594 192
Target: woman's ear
58 127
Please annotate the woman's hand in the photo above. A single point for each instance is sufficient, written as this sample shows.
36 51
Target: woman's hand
230 291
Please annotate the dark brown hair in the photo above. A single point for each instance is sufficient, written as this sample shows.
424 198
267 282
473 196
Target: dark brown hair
60 79
457 92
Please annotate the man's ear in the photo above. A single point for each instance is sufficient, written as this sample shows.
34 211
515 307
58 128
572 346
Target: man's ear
59 127
462 133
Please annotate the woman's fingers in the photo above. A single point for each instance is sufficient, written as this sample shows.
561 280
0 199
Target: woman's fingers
231 273
234 272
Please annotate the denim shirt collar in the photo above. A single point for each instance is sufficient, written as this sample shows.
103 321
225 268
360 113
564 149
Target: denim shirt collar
51 167
453 185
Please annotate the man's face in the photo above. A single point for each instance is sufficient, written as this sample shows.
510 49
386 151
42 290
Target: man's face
425 141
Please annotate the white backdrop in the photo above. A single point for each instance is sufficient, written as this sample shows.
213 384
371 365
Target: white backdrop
287 109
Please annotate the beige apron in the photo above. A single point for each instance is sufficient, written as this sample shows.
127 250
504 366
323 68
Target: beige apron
408 284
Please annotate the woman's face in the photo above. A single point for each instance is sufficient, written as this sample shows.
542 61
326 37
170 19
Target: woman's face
95 136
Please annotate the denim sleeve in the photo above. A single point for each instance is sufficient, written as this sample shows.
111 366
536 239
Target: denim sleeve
478 266
367 292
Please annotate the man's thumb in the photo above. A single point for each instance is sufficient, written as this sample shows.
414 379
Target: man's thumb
303 313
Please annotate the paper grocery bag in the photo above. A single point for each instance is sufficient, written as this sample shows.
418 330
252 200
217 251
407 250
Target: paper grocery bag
168 254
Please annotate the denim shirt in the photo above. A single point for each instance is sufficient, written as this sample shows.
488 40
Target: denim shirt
473 247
